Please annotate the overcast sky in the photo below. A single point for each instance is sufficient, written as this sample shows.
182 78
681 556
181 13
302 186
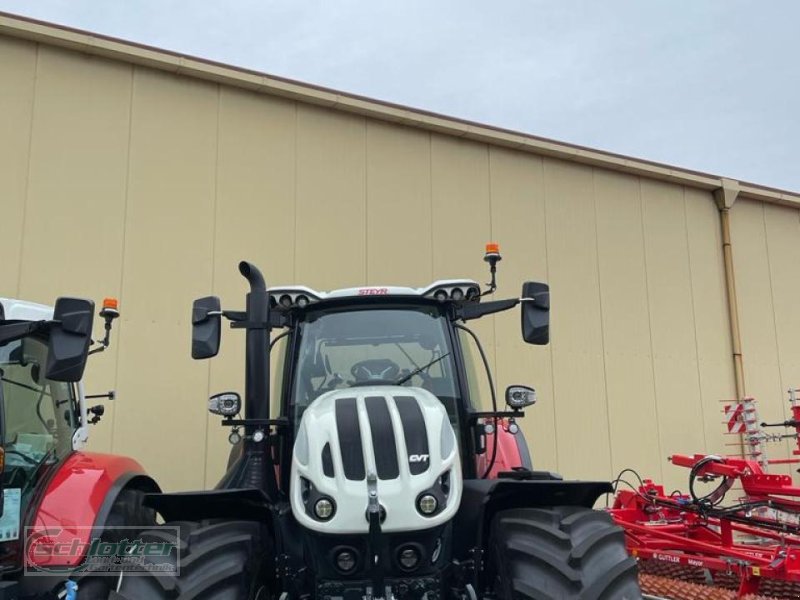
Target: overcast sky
712 85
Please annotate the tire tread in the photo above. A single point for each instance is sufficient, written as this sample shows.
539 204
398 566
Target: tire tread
566 553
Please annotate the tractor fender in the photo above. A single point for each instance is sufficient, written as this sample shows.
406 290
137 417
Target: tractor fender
78 499
237 504
483 498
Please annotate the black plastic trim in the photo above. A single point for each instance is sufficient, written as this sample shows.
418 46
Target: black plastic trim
327 461
415 433
350 444
383 441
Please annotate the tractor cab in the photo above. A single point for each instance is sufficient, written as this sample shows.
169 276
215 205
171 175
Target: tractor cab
395 342
44 409
41 416
386 337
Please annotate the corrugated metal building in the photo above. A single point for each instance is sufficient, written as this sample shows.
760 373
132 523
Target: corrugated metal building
134 172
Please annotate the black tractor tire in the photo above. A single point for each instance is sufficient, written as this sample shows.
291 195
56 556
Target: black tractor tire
219 559
127 511
560 553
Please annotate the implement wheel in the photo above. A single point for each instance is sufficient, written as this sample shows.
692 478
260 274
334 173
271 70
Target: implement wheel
560 553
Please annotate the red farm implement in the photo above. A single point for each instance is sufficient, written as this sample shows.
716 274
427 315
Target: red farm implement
749 546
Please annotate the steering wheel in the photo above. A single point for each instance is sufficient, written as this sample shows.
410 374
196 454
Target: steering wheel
375 371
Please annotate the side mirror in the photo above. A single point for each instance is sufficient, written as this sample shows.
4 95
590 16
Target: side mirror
206 327
70 336
520 396
536 313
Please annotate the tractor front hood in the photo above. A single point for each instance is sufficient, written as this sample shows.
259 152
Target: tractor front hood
398 437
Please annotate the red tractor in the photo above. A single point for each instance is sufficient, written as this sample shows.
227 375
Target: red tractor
53 492
378 475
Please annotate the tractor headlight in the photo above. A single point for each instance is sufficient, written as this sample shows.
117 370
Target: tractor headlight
427 504
324 509
227 404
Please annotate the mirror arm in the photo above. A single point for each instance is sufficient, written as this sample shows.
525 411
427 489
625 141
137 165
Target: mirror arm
475 310
15 331
501 414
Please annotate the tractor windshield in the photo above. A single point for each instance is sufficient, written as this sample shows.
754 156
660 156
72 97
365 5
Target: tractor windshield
375 346
39 415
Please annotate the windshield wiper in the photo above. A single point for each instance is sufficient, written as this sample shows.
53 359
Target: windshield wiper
419 370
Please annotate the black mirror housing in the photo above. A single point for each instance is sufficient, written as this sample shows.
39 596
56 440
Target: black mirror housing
206 327
70 337
536 313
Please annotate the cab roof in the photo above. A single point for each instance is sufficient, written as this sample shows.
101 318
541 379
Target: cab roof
22 310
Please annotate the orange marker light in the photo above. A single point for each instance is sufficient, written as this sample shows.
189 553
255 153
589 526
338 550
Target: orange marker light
492 248
110 310
2 460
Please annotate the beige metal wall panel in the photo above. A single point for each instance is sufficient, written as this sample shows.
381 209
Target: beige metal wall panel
124 180
75 211
518 224
782 225
461 207
398 225
17 81
255 193
672 324
330 242
167 263
762 371
461 221
578 366
632 411
712 331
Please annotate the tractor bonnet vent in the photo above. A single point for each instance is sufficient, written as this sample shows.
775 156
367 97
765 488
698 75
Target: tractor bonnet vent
400 435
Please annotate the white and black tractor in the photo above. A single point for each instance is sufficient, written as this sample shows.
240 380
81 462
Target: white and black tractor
378 475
